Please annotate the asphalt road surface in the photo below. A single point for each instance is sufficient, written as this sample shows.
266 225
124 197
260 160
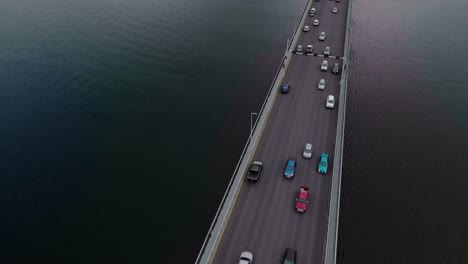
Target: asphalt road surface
264 220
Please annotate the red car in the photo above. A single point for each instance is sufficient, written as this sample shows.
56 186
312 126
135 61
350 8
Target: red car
301 200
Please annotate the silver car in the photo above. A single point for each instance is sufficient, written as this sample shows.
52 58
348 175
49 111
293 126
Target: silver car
322 36
326 51
309 49
299 49
330 103
324 66
245 258
307 153
335 10
316 22
321 84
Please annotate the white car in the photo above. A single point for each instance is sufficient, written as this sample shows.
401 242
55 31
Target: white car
306 29
321 84
324 66
322 36
335 10
330 101
309 49
312 11
245 258
307 154
316 22
326 51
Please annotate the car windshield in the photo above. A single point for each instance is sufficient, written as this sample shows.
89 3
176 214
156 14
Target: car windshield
254 168
330 100
307 151
301 200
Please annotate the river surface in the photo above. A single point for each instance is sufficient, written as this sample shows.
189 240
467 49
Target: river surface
121 123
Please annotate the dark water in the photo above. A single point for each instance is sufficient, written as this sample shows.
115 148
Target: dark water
405 179
121 123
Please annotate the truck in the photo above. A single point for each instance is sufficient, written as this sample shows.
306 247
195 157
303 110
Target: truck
302 199
254 171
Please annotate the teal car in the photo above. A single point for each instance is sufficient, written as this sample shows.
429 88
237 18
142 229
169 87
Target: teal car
323 163
290 169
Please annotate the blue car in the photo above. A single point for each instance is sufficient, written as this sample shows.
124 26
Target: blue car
285 88
290 168
323 163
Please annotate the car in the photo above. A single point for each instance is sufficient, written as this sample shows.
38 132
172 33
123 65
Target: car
309 49
316 22
302 199
336 68
306 29
313 10
290 169
324 66
285 88
246 257
322 36
330 103
323 163
335 10
290 256
326 51
321 84
255 170
307 153
299 49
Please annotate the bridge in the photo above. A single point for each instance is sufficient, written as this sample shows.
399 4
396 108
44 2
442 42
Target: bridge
260 217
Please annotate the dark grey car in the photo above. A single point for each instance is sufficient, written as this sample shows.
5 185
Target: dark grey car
336 68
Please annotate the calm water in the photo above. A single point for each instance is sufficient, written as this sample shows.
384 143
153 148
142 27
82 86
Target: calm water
121 123
405 178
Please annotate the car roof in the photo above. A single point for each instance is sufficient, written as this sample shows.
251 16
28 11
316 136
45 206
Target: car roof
331 97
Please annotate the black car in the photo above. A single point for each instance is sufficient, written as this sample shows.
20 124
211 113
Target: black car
289 256
254 172
285 88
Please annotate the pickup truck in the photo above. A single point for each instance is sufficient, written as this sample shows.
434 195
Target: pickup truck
254 172
301 200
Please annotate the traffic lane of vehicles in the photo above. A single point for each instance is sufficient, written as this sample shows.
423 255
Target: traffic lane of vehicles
256 218
329 22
